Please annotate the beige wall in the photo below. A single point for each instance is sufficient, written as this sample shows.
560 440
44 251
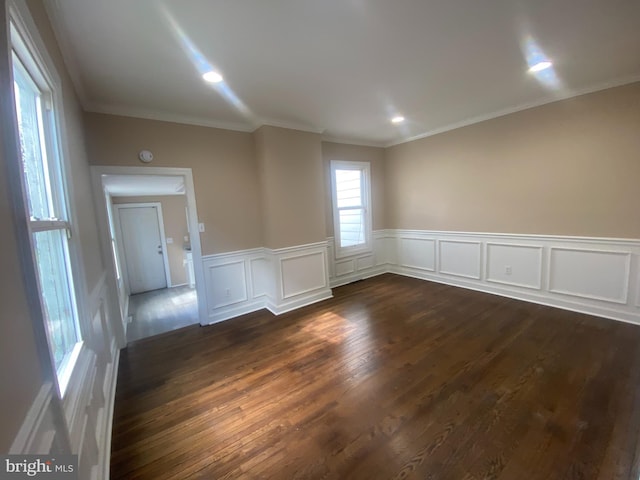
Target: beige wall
18 348
567 168
174 218
223 164
355 153
292 181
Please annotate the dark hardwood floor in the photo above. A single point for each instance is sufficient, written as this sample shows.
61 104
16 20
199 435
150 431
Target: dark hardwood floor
392 378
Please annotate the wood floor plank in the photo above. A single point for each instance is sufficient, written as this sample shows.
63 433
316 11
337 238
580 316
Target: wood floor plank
392 378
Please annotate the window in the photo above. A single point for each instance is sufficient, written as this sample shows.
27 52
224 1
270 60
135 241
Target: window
46 204
351 207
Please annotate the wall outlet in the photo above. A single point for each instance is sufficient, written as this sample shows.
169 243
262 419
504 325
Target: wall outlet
169 240
227 292
507 270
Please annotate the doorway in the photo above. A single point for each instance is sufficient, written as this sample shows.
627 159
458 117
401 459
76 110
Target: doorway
149 214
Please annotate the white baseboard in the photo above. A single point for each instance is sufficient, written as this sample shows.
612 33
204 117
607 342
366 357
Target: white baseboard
226 313
279 309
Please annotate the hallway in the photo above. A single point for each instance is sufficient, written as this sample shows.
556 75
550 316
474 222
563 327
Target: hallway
161 311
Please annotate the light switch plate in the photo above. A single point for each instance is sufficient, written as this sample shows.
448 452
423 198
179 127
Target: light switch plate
201 227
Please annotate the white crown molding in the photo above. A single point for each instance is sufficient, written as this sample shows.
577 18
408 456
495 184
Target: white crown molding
64 44
524 106
347 141
150 114
251 127
289 125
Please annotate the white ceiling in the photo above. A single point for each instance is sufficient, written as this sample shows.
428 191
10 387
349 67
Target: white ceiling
341 67
143 185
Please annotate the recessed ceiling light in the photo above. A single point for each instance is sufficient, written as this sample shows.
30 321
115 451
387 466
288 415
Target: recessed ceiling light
398 119
538 67
212 77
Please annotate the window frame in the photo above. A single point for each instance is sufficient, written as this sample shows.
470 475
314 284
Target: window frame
27 47
366 246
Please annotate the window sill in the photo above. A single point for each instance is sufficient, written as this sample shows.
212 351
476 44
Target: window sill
66 372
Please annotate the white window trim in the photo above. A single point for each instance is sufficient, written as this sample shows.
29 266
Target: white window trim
366 247
33 54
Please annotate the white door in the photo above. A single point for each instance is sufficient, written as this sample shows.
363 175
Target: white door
142 245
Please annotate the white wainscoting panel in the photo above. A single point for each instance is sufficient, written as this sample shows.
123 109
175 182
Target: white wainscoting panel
417 253
260 273
365 262
228 284
37 431
344 267
381 249
87 405
598 276
303 273
460 258
244 281
572 272
363 265
515 265
236 283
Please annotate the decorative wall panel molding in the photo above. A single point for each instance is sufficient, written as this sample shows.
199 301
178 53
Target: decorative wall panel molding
598 276
38 429
571 273
415 252
514 264
461 258
89 397
590 275
302 273
279 280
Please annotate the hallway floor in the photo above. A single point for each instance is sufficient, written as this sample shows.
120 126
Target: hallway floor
161 311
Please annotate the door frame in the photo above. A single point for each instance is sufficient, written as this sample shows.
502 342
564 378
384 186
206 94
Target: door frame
163 240
100 197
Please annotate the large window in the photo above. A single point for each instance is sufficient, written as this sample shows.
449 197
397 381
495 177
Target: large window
46 204
351 207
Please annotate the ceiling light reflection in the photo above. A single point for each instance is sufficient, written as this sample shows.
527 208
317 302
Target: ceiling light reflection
212 77
539 64
205 69
538 67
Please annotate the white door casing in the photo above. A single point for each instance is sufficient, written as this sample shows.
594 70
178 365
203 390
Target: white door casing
143 244
97 173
